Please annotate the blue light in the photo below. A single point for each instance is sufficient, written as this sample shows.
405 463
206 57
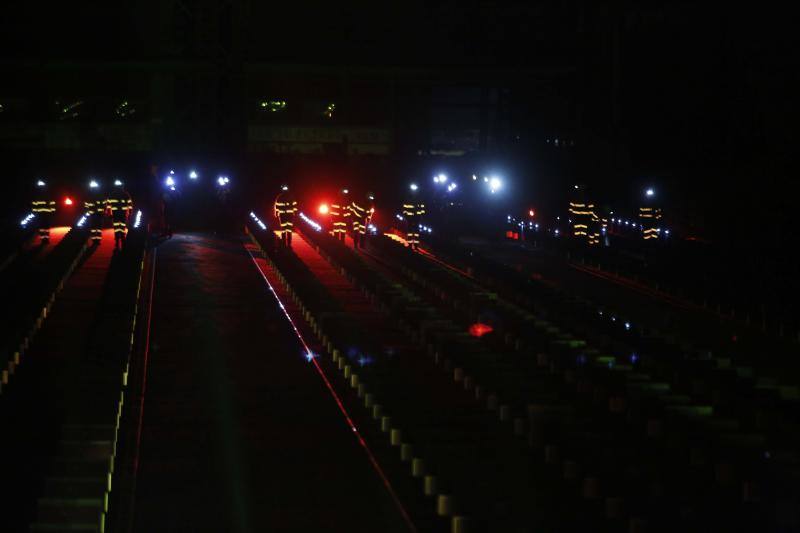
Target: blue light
258 221
310 222
27 219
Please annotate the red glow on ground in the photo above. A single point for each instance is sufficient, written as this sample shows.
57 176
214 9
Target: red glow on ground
479 330
323 209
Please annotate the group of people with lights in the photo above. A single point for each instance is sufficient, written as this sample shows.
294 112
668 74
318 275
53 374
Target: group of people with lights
114 202
350 212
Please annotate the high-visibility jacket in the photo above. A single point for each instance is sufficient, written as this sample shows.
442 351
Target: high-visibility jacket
340 215
361 213
119 201
43 204
412 211
95 204
650 220
285 209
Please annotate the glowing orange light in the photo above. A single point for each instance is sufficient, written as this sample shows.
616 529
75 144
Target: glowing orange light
67 201
479 330
531 212
323 209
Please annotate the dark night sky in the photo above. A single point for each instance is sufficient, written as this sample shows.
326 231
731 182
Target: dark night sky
704 92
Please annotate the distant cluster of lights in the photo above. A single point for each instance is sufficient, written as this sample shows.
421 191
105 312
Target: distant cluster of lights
258 221
425 228
625 324
310 222
138 220
82 220
634 225
171 181
494 183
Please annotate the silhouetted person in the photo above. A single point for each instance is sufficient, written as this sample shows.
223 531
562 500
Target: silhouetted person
285 209
96 205
120 204
361 213
43 206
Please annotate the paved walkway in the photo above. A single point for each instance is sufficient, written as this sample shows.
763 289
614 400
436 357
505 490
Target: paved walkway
239 431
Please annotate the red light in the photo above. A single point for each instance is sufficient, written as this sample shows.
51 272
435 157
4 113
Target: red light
479 330
67 201
323 209
531 213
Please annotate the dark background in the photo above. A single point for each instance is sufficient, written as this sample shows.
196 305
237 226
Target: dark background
698 101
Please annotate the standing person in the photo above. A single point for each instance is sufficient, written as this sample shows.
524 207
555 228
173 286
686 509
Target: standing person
120 205
361 213
43 206
340 214
95 205
413 209
285 209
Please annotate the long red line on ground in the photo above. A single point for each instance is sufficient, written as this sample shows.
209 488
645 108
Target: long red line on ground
428 255
145 359
337 399
636 287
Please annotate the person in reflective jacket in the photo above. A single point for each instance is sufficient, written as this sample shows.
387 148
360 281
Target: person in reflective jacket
120 205
340 214
413 209
361 213
96 205
43 206
285 210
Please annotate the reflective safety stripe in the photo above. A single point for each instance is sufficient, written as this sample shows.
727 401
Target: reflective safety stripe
43 206
413 209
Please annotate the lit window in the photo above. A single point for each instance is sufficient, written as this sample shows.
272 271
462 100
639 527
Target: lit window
124 109
70 110
272 106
